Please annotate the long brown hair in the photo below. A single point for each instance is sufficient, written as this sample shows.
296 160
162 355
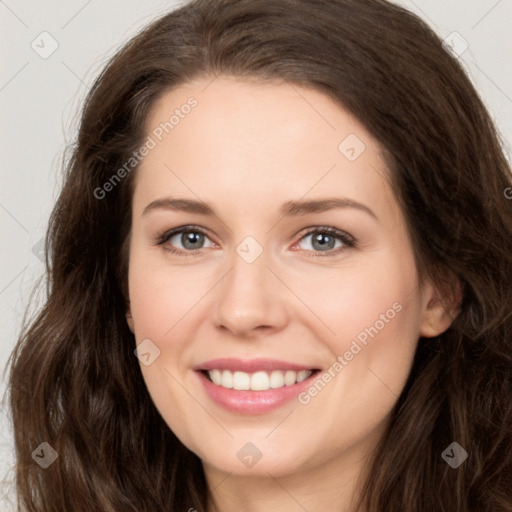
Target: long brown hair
75 382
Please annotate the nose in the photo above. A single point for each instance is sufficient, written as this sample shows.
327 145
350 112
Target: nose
250 299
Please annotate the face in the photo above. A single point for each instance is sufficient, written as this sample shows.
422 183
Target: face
268 247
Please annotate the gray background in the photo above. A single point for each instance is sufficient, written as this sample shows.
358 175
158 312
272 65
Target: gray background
40 100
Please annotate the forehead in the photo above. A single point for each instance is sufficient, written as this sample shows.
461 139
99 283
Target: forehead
261 141
251 112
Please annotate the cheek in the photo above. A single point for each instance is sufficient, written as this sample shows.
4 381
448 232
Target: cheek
374 312
160 295
370 313
162 304
358 293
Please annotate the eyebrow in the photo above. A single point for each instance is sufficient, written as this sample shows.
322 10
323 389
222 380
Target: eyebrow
288 209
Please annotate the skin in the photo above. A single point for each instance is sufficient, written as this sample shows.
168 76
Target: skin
245 149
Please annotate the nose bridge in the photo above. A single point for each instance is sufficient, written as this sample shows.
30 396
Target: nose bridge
249 296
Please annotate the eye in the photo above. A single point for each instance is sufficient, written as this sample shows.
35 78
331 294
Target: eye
191 239
327 240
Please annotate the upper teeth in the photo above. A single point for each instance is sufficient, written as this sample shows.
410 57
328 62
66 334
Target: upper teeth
259 381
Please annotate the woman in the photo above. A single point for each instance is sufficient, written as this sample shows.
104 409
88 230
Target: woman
336 336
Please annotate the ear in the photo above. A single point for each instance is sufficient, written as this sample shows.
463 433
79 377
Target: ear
129 320
442 305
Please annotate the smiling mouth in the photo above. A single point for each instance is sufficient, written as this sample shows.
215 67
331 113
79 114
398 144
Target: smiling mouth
257 381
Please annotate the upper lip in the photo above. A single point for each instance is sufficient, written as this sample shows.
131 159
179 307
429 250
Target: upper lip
250 365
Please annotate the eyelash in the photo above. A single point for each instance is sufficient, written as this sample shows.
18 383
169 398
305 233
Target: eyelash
347 240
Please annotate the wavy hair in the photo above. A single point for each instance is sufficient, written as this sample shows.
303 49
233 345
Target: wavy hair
74 380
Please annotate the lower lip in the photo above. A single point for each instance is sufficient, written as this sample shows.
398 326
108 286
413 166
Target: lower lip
253 402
